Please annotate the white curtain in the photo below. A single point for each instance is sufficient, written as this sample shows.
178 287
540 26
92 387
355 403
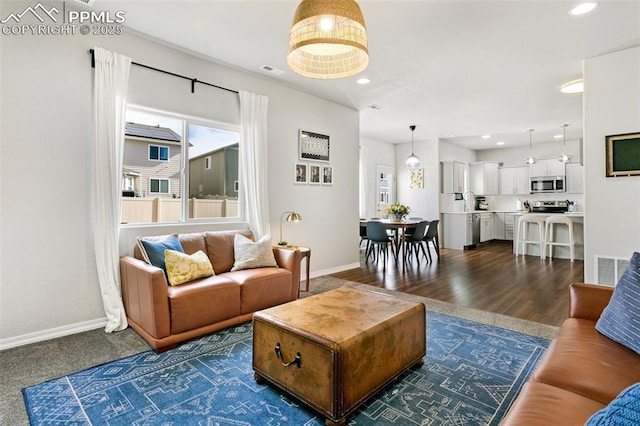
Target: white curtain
110 95
253 162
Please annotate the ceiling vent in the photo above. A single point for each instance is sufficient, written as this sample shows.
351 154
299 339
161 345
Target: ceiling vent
85 2
271 70
376 107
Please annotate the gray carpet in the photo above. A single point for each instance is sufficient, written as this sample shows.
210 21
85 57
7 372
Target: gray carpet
31 364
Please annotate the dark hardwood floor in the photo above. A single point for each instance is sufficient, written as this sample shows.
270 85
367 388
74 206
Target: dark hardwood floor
489 277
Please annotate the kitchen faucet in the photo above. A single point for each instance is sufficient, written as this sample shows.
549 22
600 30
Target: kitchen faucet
464 194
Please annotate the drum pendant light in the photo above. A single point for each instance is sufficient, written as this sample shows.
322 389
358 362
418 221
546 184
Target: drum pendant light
564 158
328 39
412 162
530 159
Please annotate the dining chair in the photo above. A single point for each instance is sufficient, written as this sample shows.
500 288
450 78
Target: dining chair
409 231
431 236
379 240
415 240
363 236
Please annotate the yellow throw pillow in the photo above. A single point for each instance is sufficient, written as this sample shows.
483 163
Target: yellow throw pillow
182 268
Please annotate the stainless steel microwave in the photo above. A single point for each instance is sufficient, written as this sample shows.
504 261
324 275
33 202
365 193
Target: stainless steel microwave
547 184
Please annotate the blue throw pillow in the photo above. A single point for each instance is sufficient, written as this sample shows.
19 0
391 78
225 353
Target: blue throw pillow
620 320
622 411
153 251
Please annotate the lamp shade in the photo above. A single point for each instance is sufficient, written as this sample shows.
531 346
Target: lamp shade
328 39
288 216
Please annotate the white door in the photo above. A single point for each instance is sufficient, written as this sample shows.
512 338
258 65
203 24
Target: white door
386 188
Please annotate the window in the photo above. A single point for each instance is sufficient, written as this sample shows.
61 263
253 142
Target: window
158 186
160 153
179 168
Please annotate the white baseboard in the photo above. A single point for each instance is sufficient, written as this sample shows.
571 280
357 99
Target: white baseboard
67 330
315 274
52 333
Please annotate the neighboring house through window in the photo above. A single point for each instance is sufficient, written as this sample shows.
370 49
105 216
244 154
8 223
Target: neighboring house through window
178 168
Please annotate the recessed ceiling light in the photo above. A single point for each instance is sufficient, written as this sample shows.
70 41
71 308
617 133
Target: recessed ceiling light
583 8
557 136
573 86
363 80
500 143
486 136
451 135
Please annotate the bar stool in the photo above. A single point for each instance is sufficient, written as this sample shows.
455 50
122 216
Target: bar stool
548 234
524 228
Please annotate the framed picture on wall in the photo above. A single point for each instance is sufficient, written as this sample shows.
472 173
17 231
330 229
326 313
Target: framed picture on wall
416 178
313 146
314 174
327 175
300 175
623 155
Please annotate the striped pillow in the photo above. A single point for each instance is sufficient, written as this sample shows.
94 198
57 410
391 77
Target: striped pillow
620 320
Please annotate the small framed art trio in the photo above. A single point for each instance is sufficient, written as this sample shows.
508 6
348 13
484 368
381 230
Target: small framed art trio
313 166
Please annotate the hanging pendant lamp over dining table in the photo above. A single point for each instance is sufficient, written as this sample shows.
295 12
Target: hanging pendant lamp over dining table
328 39
412 162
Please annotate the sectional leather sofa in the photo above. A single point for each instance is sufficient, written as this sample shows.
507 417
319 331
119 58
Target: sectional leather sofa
582 370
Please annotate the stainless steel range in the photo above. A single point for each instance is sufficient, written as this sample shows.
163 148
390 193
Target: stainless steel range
560 206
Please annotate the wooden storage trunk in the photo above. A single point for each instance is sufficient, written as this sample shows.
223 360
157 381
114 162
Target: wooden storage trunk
341 346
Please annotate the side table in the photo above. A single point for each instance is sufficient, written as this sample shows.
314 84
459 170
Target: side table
305 252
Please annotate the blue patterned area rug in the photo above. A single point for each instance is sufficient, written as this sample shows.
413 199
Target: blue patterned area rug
472 374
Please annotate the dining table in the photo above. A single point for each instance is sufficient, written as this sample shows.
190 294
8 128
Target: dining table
399 227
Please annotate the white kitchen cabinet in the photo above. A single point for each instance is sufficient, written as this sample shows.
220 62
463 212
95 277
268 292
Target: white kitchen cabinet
575 178
453 176
548 167
498 226
513 180
483 178
486 227
456 230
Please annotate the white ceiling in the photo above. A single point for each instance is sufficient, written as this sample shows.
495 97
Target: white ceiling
462 68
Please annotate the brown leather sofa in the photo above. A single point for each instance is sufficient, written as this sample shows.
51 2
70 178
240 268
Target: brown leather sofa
164 315
582 370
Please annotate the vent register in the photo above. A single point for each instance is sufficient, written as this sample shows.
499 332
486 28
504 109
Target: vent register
608 270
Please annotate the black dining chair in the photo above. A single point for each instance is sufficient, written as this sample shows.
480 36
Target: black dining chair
414 241
363 235
431 236
379 241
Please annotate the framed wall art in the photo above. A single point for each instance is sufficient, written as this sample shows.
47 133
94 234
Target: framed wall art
313 146
300 171
327 175
416 178
314 174
623 154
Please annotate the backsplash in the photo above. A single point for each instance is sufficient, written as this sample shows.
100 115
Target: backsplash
508 202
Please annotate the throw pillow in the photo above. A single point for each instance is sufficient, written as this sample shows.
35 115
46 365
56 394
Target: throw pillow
622 411
249 254
182 268
620 320
153 251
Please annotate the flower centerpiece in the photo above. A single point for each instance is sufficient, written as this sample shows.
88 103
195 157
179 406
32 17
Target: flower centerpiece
398 211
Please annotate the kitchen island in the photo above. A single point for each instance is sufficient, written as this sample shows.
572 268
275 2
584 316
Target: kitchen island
458 230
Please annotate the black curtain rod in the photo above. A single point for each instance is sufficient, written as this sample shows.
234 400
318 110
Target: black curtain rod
192 80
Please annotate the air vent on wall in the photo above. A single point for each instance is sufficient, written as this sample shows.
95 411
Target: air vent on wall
608 270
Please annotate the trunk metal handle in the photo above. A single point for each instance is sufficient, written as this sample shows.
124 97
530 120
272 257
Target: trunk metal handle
295 361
